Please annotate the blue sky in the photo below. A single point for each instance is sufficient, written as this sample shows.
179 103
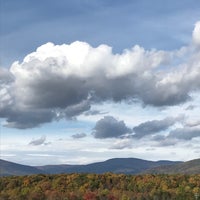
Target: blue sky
99 79
120 24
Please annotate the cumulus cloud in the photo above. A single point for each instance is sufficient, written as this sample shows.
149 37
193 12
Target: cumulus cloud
79 135
5 76
39 141
109 127
62 81
6 99
154 126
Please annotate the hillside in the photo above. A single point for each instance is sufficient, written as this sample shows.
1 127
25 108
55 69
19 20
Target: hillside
9 168
189 167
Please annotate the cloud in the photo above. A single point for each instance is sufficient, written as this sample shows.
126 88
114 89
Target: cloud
186 133
79 135
5 76
163 140
154 126
122 144
196 34
39 141
63 81
24 118
73 110
190 107
6 99
192 123
109 127
95 112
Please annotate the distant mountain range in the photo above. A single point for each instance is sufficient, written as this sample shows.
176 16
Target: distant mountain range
115 165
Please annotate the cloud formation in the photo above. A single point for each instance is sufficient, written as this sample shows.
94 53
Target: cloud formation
62 81
154 126
95 112
186 133
39 141
122 144
79 135
109 127
193 123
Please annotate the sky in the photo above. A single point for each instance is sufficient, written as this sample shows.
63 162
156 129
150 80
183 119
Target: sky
83 81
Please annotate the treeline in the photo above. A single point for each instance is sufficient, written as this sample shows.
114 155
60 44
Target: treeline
100 187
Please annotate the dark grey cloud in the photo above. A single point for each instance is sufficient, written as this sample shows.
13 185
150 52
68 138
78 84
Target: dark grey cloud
185 133
79 135
109 127
77 109
39 141
53 91
23 119
152 127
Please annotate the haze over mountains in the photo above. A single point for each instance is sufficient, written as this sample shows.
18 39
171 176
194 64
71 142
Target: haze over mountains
115 165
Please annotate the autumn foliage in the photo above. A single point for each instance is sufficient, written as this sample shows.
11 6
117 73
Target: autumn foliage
100 187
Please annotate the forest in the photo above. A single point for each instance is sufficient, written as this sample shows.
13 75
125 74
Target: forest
100 187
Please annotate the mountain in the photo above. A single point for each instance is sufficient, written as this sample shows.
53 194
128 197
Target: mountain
115 165
9 168
189 167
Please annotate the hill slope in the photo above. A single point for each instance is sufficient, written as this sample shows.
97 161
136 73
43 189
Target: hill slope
189 167
9 168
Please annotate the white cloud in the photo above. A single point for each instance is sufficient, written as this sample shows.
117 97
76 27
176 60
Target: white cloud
62 81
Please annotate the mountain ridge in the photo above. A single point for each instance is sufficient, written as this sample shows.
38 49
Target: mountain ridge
113 165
